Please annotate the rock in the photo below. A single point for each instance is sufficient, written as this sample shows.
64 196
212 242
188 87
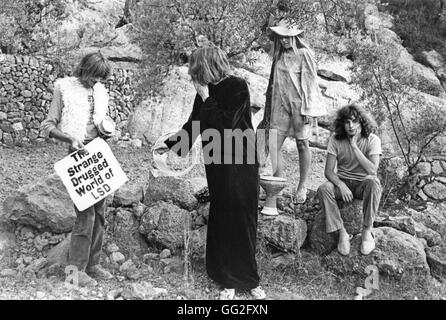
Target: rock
128 195
174 264
424 168
142 291
197 244
436 258
55 270
179 191
398 256
283 261
38 264
436 167
27 260
164 225
434 59
433 217
329 75
40 243
150 256
155 116
127 266
401 223
113 294
8 273
422 195
44 205
200 189
435 190
432 237
203 210
284 232
165 254
130 53
117 257
112 248
59 254
123 227
322 242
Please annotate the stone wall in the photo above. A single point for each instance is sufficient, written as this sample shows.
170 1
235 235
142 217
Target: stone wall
433 179
431 176
26 87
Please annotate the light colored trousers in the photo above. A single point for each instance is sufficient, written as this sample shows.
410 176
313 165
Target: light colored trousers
369 190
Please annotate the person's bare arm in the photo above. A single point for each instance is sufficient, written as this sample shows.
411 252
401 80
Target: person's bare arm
370 165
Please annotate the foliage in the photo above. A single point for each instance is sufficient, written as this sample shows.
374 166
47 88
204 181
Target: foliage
390 92
167 31
343 16
418 24
26 24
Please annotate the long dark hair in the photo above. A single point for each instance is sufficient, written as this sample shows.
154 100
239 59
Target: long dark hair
353 111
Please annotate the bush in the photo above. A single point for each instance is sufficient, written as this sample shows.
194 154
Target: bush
391 94
418 24
26 24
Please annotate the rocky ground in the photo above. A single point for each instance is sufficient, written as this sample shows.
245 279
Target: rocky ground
155 273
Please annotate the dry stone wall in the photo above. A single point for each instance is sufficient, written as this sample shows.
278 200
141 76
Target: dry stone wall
26 89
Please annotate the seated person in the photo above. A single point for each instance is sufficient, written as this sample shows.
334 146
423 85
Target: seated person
356 151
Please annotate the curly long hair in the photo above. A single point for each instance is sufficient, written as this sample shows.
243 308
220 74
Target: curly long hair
353 111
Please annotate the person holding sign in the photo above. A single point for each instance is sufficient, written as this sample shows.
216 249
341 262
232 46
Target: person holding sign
222 109
76 116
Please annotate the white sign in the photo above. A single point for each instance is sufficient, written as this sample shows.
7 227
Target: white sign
91 176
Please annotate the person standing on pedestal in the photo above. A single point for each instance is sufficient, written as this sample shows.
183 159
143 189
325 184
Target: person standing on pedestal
295 99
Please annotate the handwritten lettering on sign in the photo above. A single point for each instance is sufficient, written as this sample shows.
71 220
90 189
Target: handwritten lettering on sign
92 176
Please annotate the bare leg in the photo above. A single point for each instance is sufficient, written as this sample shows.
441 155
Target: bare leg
303 147
276 142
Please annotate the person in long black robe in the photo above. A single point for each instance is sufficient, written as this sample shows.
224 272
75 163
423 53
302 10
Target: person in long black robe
233 188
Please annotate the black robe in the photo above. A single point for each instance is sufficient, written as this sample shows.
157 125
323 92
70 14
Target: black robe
233 187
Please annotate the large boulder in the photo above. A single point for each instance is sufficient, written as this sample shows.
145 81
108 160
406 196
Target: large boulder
164 225
377 24
128 196
322 242
44 205
433 217
123 230
167 112
176 190
436 258
284 232
398 256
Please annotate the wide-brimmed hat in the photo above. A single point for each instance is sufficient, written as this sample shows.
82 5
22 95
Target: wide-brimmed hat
286 28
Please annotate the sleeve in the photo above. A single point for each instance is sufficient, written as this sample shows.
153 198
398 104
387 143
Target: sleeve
218 117
332 146
187 135
375 145
54 113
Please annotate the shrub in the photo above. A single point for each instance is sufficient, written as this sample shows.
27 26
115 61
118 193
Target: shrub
391 94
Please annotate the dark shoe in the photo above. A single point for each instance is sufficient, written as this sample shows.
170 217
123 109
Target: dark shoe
98 272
